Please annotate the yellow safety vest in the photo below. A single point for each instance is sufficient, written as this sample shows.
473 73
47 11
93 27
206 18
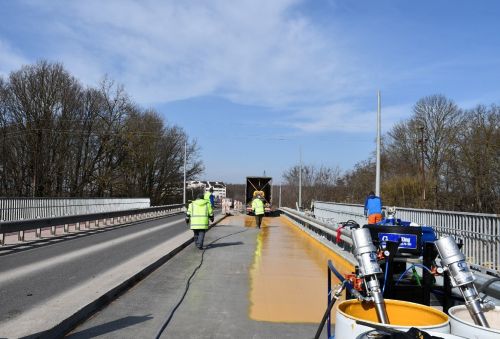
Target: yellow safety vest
199 211
258 206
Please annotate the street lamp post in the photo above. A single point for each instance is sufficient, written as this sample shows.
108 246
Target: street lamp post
185 161
279 203
422 141
300 179
377 175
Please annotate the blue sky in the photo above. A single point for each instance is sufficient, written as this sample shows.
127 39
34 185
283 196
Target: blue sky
255 80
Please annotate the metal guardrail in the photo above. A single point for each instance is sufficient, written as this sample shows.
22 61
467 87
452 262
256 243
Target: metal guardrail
328 231
21 226
332 213
33 208
480 232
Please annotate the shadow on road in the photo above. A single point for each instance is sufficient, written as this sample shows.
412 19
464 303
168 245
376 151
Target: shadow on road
110 326
224 244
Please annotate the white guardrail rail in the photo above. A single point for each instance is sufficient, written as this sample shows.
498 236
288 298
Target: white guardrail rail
12 209
340 241
107 218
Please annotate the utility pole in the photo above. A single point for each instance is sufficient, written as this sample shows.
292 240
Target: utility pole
422 142
279 202
272 192
300 177
377 175
185 160
33 179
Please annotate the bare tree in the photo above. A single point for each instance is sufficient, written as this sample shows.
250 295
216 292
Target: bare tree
474 168
440 119
39 103
317 184
59 139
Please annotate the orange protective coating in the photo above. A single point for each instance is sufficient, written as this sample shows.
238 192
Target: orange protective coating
288 278
400 313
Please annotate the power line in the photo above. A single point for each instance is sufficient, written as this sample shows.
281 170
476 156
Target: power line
79 132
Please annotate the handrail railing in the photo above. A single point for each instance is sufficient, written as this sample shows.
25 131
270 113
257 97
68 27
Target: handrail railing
37 224
34 208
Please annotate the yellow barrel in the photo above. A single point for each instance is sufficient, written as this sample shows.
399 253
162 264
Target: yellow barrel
402 315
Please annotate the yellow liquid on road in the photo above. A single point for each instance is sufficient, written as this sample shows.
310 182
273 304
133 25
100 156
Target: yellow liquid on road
288 278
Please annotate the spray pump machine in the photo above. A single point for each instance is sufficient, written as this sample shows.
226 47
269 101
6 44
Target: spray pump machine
366 255
453 261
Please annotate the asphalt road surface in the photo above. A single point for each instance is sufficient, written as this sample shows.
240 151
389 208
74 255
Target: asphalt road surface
35 272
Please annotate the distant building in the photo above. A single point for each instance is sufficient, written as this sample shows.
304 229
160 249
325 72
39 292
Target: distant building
218 186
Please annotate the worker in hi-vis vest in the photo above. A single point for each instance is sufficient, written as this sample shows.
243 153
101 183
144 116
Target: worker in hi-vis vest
258 209
197 215
209 196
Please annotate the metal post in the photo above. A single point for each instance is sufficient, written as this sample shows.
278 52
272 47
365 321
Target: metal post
33 180
422 160
185 160
272 193
329 300
377 175
279 203
300 178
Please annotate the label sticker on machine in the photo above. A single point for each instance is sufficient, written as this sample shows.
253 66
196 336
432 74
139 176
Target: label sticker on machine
408 241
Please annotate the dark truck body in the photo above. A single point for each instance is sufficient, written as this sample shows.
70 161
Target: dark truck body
258 184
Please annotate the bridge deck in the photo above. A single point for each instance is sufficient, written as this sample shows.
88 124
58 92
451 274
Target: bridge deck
251 284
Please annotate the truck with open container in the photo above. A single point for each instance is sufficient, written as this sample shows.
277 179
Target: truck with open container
262 185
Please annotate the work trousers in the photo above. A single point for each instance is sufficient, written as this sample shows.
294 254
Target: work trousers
374 218
258 219
199 236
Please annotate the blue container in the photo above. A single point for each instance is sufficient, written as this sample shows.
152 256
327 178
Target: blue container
394 222
428 234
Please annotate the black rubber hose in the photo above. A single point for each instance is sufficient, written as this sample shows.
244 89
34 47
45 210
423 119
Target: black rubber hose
188 283
486 285
325 317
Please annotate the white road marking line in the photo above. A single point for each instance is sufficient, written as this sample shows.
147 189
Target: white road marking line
49 313
35 267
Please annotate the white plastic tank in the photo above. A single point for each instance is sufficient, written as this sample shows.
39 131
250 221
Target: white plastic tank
463 325
402 315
